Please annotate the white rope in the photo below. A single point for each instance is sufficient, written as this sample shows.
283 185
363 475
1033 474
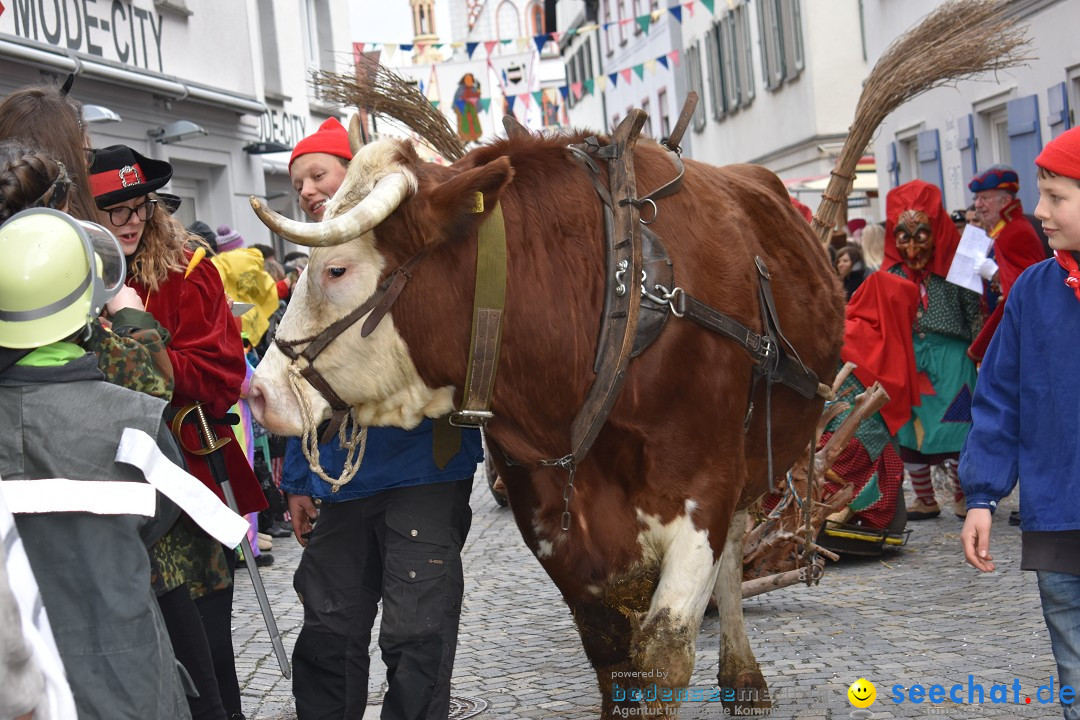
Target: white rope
355 444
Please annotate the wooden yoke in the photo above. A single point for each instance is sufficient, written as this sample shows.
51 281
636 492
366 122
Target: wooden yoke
624 255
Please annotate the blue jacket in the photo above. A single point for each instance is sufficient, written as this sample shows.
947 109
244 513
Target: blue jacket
394 458
1026 410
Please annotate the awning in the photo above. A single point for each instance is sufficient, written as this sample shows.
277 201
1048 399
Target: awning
864 182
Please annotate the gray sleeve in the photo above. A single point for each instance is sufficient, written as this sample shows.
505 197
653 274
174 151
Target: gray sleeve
22 686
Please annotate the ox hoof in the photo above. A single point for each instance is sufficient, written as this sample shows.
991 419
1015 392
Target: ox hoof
744 691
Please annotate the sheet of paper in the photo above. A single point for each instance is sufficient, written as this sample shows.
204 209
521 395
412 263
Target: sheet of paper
139 449
969 257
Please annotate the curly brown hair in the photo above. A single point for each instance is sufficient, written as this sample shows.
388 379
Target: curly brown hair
45 118
165 247
26 176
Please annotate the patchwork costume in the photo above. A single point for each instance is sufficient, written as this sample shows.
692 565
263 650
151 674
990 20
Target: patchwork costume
946 321
877 339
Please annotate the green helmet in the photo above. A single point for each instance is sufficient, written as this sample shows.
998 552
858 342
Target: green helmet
49 289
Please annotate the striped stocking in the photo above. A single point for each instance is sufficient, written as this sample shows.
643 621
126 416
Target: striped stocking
921 482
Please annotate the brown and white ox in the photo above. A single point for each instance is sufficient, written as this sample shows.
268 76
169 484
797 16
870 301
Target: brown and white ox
654 498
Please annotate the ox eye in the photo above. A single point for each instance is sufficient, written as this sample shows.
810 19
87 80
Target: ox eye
336 271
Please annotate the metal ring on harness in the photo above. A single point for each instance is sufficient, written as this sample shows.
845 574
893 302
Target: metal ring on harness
655 211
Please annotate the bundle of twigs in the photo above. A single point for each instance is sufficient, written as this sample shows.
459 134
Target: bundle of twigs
959 40
381 91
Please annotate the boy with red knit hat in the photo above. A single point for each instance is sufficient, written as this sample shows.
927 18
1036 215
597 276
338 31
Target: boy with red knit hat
317 166
1026 417
407 507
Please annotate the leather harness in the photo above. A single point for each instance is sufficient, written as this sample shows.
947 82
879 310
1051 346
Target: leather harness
632 317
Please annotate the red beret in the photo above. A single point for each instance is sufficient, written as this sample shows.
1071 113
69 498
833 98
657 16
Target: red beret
1061 155
331 138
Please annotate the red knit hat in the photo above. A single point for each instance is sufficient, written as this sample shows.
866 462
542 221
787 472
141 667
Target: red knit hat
1061 155
331 138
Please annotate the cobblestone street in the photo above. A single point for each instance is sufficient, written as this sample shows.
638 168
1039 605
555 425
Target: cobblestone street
917 616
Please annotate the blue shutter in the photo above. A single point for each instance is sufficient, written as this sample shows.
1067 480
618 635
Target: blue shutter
928 146
1025 143
1057 100
893 166
968 163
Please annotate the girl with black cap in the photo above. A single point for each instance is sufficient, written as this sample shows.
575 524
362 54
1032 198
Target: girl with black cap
187 297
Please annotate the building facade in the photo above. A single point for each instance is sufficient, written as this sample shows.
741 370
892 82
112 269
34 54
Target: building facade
949 134
237 70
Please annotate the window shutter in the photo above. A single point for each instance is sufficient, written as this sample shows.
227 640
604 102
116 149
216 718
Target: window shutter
893 166
1025 143
1057 97
928 145
968 166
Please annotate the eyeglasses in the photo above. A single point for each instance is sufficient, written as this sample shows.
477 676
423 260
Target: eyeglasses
119 216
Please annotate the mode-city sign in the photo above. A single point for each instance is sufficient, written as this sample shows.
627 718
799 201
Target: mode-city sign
116 30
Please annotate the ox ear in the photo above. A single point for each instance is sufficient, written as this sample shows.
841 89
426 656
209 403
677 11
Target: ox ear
460 204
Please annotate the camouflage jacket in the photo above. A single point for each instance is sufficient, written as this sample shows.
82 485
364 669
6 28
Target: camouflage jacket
131 353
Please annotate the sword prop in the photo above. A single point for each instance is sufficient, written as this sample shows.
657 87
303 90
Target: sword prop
214 457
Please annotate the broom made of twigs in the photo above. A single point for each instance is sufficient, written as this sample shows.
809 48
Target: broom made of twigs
959 40
381 91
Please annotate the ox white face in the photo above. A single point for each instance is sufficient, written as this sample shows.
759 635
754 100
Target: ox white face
374 374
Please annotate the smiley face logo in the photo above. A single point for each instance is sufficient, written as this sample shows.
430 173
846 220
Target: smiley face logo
862 693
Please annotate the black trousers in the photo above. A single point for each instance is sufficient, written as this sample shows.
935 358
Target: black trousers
402 546
193 651
215 610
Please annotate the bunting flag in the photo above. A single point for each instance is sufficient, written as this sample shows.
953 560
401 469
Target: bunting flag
710 4
564 90
389 49
625 73
674 55
577 88
407 47
470 48
525 99
541 41
537 95
489 45
555 36
507 41
650 67
522 44
485 103
435 104
589 84
643 22
614 77
676 11
420 48
601 83
510 103
663 61
689 8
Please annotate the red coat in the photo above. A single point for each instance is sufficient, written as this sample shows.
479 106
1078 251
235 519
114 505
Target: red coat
207 355
1016 247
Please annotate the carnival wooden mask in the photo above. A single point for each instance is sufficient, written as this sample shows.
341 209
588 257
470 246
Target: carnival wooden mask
914 238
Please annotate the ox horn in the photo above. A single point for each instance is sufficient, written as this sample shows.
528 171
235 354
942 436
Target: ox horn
383 199
356 136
